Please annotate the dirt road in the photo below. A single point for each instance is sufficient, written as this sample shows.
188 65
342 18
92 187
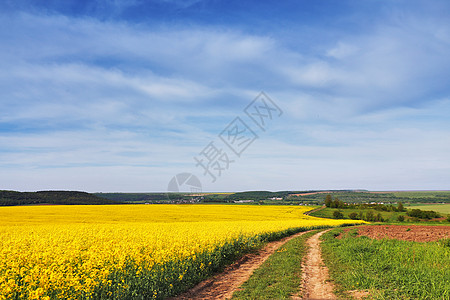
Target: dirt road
315 274
223 285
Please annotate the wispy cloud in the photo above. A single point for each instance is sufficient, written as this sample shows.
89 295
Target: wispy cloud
116 95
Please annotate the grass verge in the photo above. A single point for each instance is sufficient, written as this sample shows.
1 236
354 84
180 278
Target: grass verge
387 269
279 276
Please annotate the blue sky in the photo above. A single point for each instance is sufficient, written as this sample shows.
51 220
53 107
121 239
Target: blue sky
116 95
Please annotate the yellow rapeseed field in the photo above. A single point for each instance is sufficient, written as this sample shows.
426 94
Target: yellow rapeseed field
130 251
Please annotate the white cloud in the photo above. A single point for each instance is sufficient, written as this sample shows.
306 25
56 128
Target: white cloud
343 51
124 106
397 64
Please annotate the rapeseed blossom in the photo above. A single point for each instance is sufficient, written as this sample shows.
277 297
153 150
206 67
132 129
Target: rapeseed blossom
91 252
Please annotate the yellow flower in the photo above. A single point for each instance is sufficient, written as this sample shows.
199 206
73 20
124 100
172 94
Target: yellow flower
72 250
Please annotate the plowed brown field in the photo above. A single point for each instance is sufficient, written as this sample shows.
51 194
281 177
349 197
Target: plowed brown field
417 233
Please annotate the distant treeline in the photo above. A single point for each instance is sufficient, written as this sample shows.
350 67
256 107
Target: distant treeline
134 197
358 197
258 195
288 197
336 203
423 214
11 198
388 197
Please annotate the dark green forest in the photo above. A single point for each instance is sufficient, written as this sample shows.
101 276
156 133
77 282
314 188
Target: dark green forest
12 198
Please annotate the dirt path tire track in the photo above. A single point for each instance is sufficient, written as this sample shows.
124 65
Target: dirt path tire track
223 285
315 283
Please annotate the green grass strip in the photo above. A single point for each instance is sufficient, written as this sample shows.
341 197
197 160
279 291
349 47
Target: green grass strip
279 277
388 269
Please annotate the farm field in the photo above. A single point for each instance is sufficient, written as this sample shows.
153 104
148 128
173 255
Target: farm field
389 261
128 251
441 208
422 194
